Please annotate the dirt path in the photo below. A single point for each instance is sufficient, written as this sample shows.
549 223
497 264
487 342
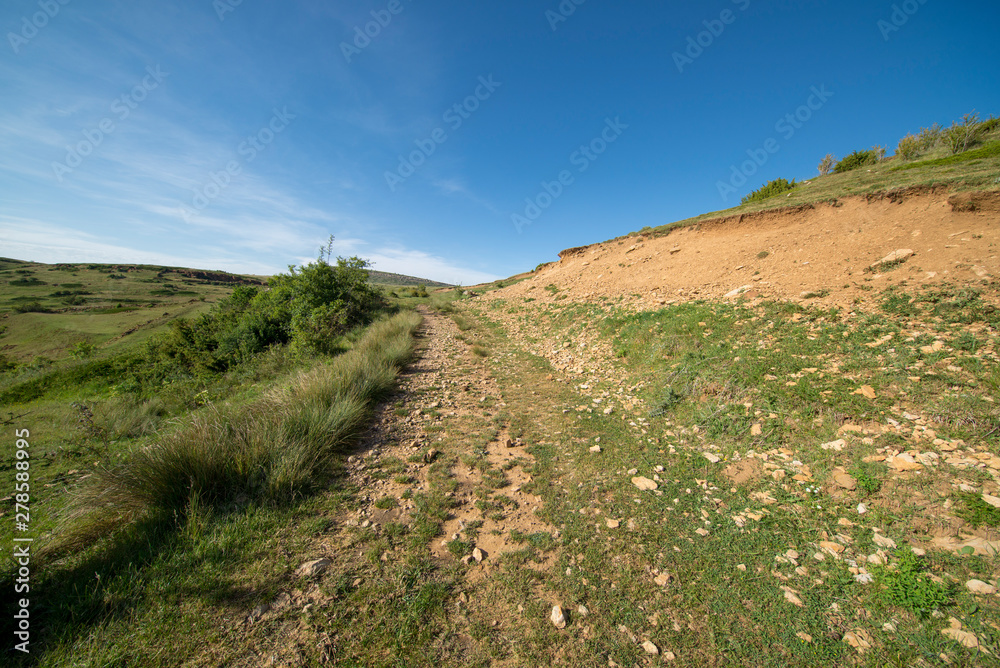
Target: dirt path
448 411
438 481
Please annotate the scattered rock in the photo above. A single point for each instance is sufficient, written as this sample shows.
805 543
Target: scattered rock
756 429
884 541
582 610
738 291
980 546
894 257
430 456
650 648
845 481
804 637
831 547
933 348
866 391
478 555
837 445
964 638
612 524
712 458
311 569
701 532
992 500
595 448
859 640
644 484
792 597
259 612
662 579
980 587
558 617
904 462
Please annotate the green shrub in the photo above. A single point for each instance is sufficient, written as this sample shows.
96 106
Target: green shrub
857 160
908 147
30 281
311 307
930 137
989 125
770 189
34 306
907 585
82 350
962 134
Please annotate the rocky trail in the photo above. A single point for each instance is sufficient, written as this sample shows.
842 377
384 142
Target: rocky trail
437 395
822 489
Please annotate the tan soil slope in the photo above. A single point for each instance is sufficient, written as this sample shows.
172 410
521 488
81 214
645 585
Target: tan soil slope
824 247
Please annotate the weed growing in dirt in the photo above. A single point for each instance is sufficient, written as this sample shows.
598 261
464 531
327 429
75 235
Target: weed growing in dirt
907 584
977 512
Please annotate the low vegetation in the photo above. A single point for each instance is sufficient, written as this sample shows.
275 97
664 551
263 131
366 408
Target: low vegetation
856 160
162 466
770 189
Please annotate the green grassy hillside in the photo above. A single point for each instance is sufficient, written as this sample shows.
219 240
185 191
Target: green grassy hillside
48 310
402 280
933 165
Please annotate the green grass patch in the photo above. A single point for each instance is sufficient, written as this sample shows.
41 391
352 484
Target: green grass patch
977 512
990 150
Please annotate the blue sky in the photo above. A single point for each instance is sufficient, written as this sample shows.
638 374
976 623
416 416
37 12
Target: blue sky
455 141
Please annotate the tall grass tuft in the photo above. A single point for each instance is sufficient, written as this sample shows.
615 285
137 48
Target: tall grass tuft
273 450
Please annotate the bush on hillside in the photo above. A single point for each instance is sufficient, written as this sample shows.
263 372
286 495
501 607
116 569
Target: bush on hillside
909 147
989 125
962 134
857 160
827 164
28 281
309 307
31 307
930 137
770 189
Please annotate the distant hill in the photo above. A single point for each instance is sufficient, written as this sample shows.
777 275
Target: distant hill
47 308
386 278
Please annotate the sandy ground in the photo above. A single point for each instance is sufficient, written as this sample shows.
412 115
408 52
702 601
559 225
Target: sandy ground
827 249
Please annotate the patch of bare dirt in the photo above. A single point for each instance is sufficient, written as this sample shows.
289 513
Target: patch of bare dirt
444 386
823 252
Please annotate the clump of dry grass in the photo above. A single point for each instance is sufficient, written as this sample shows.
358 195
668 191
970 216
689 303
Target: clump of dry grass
270 451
